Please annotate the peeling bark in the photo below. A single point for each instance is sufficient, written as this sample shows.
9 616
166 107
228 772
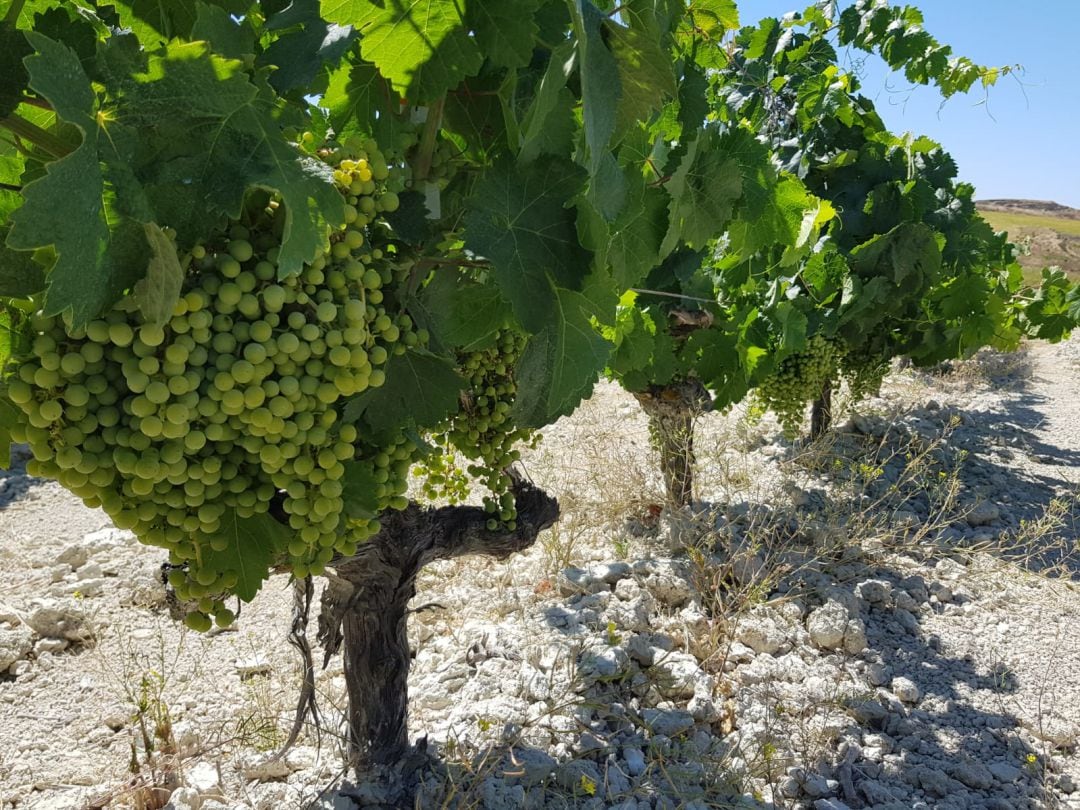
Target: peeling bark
821 414
365 604
672 410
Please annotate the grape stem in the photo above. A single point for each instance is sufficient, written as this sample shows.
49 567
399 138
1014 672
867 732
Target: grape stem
13 12
29 131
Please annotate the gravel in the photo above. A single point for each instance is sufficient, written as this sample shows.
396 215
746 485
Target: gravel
906 650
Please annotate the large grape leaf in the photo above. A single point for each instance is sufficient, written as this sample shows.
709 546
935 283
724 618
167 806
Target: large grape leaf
600 86
551 108
20 275
505 31
560 365
423 47
157 21
361 101
646 78
251 546
518 219
704 190
226 34
461 314
637 233
307 44
204 109
94 255
420 389
358 490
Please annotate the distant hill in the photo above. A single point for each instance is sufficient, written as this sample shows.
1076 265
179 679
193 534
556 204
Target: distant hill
1048 232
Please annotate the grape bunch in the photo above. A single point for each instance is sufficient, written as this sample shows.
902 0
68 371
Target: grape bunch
231 408
799 379
863 373
483 432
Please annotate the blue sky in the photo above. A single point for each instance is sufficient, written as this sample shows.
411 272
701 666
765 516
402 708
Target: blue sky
1024 140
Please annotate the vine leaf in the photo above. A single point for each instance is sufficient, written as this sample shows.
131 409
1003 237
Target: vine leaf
225 34
560 364
251 544
361 101
422 46
600 85
13 47
505 31
637 234
463 315
420 388
94 261
157 293
646 78
704 190
518 220
309 43
20 275
358 490
206 108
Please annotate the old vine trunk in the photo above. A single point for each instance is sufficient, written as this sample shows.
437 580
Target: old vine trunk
821 414
672 410
365 606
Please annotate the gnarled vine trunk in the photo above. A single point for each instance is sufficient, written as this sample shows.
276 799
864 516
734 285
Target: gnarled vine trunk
821 413
365 606
672 410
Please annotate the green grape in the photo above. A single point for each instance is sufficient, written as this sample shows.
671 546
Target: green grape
798 380
171 428
481 432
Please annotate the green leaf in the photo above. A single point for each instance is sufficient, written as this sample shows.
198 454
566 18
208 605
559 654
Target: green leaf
421 388
154 21
637 234
95 254
13 48
422 46
560 365
600 87
206 109
518 220
20 275
226 35
410 221
251 546
646 77
302 51
551 108
704 190
157 293
505 31
462 314
359 490
362 102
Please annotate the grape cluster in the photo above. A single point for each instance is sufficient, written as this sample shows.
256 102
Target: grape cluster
799 379
863 373
483 432
229 409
